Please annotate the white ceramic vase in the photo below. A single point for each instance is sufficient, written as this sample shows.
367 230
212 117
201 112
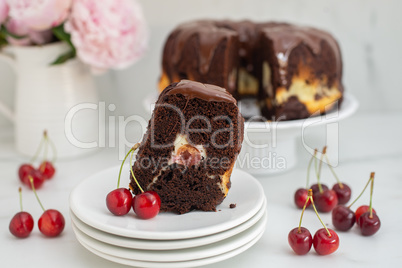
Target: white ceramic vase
45 94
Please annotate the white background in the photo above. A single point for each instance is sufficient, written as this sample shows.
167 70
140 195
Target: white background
369 33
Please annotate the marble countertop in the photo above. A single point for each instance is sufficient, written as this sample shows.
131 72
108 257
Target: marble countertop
367 143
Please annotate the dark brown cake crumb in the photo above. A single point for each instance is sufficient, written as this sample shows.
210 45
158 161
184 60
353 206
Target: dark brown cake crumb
185 187
232 205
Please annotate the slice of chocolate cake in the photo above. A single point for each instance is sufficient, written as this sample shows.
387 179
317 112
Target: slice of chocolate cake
190 147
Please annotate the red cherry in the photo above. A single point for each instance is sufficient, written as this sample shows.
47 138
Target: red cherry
343 193
362 209
316 189
325 244
326 201
369 225
301 195
343 218
119 201
38 179
188 155
25 170
21 224
301 241
147 204
51 223
47 169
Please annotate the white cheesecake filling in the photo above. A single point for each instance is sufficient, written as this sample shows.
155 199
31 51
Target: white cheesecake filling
305 92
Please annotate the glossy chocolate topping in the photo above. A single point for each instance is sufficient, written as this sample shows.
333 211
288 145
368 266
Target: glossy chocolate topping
285 38
191 89
209 36
248 39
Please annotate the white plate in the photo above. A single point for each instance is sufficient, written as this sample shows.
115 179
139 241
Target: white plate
192 263
87 201
189 254
127 242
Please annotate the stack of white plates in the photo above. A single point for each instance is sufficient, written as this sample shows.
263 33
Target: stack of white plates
168 240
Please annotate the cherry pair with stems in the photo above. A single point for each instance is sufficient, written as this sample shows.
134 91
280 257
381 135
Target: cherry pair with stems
325 241
325 199
343 218
46 169
119 201
51 223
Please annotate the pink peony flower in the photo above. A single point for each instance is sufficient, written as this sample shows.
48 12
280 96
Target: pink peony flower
107 33
3 11
32 37
40 15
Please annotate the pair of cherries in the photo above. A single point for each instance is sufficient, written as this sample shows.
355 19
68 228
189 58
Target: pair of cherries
325 199
343 218
51 223
325 240
120 201
45 172
46 169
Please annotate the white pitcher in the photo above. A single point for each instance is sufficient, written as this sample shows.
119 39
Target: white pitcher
44 95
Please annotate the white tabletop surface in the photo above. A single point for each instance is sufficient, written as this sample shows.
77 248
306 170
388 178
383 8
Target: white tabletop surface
366 143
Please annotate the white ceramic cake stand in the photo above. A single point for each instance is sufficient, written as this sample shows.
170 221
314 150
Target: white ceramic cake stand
271 147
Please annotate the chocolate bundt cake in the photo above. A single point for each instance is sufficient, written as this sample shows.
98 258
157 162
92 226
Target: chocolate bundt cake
190 147
293 71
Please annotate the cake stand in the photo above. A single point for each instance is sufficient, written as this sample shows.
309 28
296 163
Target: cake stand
271 147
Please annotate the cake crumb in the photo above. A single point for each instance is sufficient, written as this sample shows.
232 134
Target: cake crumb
232 205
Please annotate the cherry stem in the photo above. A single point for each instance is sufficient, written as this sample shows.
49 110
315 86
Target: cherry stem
121 166
46 148
324 151
38 150
364 189
371 194
53 149
308 168
333 172
131 166
315 166
36 195
20 194
310 196
301 216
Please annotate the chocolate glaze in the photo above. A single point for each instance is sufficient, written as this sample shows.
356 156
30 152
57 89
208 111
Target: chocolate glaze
209 51
248 41
192 89
209 36
285 38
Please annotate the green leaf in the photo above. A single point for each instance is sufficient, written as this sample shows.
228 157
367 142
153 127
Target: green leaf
62 35
64 57
3 42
